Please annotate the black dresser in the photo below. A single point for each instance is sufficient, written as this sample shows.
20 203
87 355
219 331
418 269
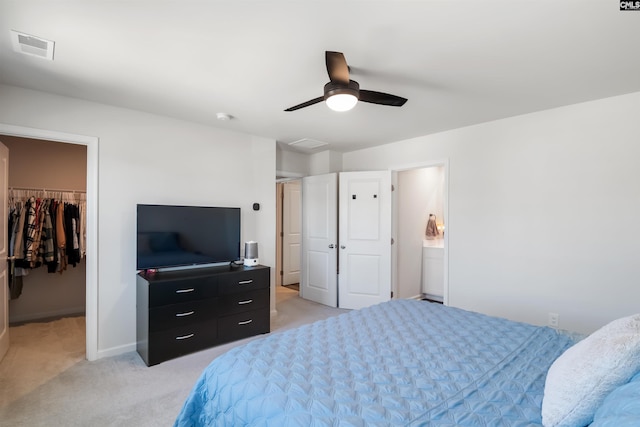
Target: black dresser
180 312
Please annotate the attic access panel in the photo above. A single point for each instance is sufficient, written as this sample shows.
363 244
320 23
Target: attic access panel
32 45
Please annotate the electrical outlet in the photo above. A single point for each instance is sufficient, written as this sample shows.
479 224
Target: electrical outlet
554 319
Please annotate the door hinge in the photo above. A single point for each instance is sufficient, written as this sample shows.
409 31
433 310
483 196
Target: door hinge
282 234
392 241
393 188
281 273
391 294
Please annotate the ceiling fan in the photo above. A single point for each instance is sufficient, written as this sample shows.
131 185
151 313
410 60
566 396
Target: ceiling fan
342 93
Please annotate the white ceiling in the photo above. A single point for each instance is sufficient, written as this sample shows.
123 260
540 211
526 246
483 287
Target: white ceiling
459 62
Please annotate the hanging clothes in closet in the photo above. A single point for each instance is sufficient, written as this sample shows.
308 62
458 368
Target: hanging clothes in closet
46 229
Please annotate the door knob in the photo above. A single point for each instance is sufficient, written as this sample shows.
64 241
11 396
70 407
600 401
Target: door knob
343 247
331 246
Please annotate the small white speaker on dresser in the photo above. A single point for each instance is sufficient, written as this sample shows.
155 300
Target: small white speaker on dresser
251 254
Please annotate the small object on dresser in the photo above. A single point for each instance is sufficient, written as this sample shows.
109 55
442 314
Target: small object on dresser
250 254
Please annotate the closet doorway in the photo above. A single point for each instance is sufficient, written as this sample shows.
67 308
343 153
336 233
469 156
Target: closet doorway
88 277
48 171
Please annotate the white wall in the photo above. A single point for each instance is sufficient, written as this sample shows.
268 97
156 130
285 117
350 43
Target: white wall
145 158
303 164
543 211
325 162
292 162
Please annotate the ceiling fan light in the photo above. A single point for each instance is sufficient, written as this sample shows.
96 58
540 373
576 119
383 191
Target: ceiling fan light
342 101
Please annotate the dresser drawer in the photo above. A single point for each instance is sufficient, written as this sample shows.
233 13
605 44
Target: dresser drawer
177 291
244 281
243 301
183 340
184 314
242 325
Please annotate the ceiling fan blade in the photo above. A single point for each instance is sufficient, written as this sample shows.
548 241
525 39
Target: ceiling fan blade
306 104
381 98
337 67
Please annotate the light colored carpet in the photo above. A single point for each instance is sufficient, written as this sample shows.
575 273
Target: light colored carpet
38 353
55 386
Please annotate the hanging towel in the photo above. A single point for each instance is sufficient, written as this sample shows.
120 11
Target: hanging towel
432 228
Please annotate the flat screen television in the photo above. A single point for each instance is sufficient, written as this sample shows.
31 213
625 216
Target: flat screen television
176 236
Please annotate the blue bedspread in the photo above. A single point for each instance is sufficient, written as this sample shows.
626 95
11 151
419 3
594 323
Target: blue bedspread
400 363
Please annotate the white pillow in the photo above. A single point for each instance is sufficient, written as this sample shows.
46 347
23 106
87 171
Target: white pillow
580 379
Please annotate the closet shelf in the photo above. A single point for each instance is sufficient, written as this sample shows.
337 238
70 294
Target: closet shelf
46 190
47 193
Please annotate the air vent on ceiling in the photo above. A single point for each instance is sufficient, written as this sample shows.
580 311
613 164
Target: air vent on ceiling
307 143
32 45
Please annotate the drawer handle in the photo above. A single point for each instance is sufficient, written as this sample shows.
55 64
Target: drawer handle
249 301
186 313
184 337
246 322
245 282
184 291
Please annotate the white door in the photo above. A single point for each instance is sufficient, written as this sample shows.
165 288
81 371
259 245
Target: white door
319 281
365 238
291 233
4 296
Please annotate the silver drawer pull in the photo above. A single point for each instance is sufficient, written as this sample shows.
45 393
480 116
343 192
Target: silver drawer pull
184 337
245 282
246 322
184 291
249 301
186 313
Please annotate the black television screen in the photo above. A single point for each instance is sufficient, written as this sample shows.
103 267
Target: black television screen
174 236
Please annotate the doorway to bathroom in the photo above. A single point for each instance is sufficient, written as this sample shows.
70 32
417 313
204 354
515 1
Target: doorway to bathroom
420 256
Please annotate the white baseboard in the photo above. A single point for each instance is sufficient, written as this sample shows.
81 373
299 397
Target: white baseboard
116 351
45 315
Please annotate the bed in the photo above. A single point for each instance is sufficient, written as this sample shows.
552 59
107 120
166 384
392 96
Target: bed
399 363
